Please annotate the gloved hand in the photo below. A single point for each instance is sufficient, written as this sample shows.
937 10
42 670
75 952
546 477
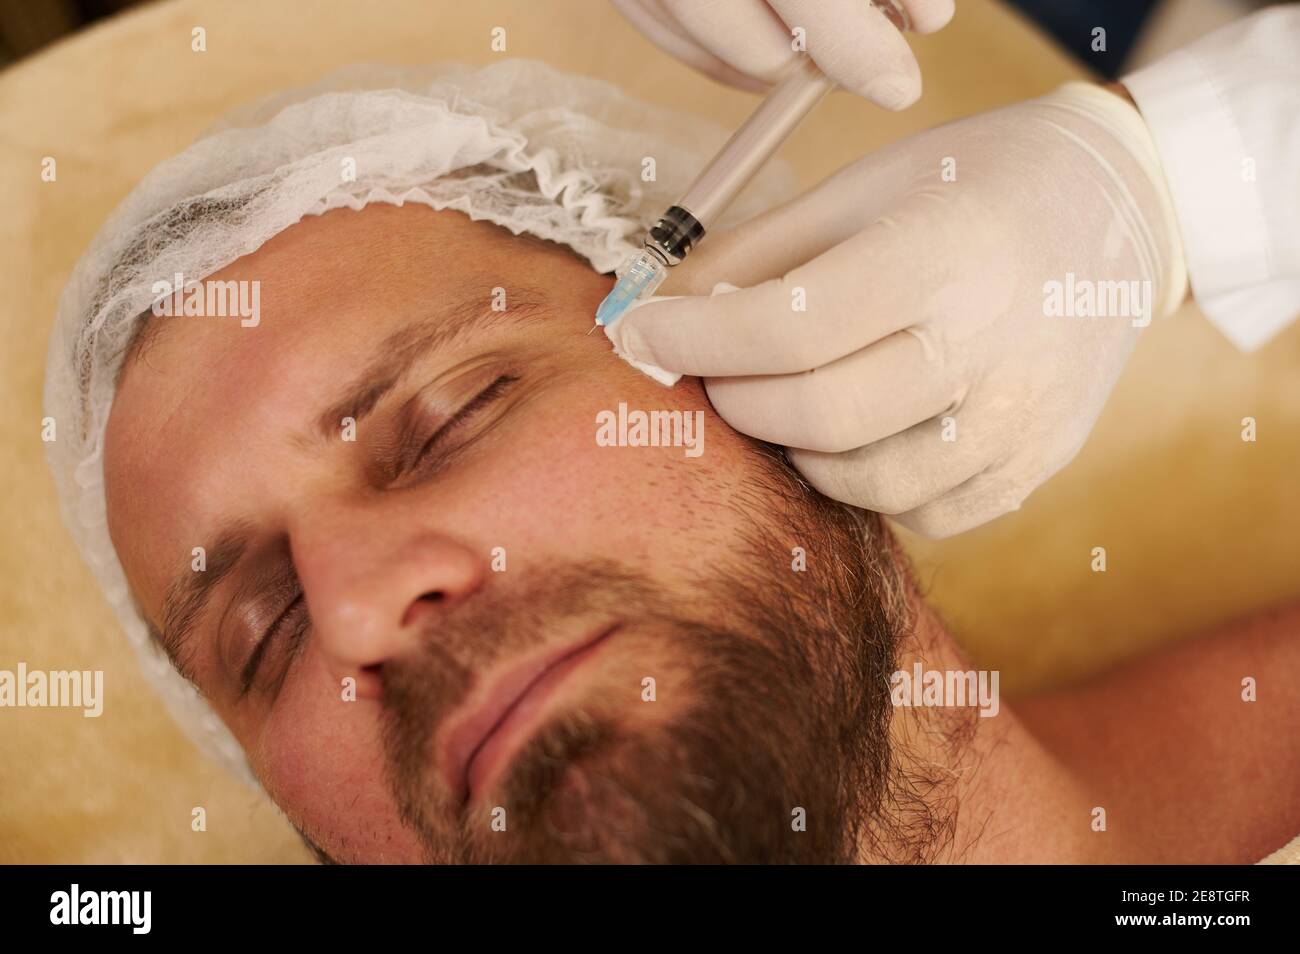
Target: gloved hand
933 330
746 42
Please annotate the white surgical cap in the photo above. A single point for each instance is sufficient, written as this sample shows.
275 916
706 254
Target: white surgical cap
563 157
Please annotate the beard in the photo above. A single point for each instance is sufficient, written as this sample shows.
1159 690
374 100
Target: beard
777 750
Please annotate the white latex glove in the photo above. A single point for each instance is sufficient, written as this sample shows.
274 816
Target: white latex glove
930 374
747 42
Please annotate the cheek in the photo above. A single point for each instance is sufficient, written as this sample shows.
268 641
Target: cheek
551 488
321 760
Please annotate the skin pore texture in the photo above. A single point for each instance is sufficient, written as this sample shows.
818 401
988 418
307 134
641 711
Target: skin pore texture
646 677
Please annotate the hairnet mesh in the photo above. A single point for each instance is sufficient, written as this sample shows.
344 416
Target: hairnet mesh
518 143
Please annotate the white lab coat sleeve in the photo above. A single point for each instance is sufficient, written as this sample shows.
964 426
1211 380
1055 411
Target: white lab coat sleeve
1225 116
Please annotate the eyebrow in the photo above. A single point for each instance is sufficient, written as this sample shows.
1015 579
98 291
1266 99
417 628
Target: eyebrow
400 351
391 361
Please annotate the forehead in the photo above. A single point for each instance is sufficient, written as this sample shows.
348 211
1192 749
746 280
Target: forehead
331 289
324 268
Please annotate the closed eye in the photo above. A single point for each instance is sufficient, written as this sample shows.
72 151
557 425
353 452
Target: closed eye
292 619
477 403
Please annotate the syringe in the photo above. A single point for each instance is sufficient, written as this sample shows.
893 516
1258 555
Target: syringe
686 222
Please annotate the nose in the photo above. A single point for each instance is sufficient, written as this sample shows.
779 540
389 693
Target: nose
374 577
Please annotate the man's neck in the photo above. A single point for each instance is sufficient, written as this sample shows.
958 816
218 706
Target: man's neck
973 789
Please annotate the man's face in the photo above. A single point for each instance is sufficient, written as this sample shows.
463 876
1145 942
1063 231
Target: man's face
444 620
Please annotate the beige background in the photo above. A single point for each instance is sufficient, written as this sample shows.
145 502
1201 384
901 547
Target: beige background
1199 526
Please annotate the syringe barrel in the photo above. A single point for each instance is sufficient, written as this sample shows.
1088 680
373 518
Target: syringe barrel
755 141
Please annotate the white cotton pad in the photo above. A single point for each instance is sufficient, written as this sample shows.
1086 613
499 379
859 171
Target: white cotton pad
666 378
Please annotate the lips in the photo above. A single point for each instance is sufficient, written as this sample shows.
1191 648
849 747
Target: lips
482 739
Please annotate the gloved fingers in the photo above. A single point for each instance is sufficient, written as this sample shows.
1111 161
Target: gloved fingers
875 283
982 498
897 474
856 45
928 16
661 29
859 399
745 34
747 43
1002 486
